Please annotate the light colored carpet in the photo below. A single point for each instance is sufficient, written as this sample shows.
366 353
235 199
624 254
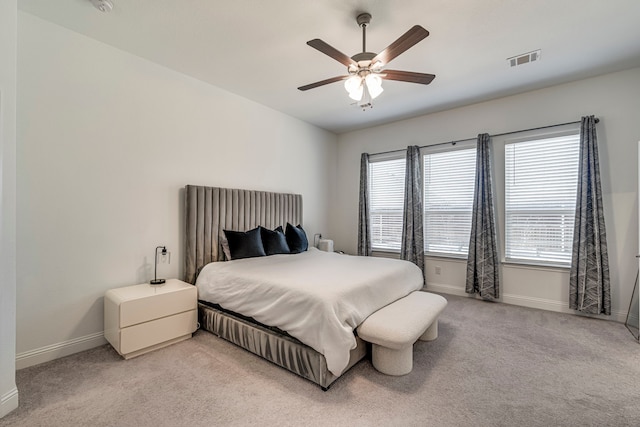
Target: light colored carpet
493 365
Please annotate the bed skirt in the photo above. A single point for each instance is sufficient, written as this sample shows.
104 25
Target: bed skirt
282 350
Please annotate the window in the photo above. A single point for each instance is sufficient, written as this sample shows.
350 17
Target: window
541 178
386 203
449 178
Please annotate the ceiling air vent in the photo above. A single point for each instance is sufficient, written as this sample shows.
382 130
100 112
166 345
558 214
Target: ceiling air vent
525 58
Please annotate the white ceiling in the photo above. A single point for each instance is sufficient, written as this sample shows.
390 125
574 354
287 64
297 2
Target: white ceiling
257 48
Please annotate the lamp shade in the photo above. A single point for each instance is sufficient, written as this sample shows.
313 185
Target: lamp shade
354 86
374 85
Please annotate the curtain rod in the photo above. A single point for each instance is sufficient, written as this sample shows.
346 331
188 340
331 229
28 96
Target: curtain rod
469 139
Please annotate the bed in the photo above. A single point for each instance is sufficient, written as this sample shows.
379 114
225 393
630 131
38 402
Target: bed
298 289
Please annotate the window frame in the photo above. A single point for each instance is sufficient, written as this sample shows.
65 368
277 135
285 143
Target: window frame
499 146
378 158
436 149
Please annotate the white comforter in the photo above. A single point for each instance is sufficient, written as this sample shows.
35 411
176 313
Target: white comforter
317 297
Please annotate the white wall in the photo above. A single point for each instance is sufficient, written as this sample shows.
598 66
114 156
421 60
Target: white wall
614 98
107 141
8 43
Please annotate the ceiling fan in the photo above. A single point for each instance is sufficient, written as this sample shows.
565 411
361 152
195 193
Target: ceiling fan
365 69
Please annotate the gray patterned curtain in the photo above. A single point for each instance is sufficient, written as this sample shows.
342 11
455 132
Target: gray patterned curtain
482 262
589 277
364 228
412 248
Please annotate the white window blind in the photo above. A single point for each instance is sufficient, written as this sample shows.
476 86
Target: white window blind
448 199
541 178
386 199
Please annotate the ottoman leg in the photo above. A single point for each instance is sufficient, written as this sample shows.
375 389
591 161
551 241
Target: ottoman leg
431 333
392 362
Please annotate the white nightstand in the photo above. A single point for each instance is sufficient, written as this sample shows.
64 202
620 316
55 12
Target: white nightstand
141 318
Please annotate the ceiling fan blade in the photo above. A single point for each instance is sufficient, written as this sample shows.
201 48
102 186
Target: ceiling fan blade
331 51
408 76
323 82
404 42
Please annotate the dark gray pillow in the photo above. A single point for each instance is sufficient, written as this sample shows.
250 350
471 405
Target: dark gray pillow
296 239
245 244
274 241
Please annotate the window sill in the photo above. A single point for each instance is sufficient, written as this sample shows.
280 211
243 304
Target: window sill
426 255
386 251
448 257
542 267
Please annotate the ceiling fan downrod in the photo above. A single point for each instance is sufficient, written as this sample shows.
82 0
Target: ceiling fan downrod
363 20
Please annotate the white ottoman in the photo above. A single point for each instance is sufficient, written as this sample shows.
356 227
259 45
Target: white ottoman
393 329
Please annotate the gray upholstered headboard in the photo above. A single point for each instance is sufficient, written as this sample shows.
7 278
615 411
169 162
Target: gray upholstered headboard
210 210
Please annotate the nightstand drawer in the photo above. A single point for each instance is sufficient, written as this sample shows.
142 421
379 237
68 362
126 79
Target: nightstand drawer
147 334
160 305
142 303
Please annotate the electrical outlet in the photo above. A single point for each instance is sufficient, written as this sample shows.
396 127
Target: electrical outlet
165 258
438 270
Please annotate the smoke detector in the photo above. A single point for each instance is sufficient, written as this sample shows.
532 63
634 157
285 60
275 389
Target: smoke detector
103 5
524 58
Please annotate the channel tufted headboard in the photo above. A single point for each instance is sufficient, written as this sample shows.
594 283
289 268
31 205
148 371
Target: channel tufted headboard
210 210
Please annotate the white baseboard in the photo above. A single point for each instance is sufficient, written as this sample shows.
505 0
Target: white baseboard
58 350
8 402
531 302
66 348
445 289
